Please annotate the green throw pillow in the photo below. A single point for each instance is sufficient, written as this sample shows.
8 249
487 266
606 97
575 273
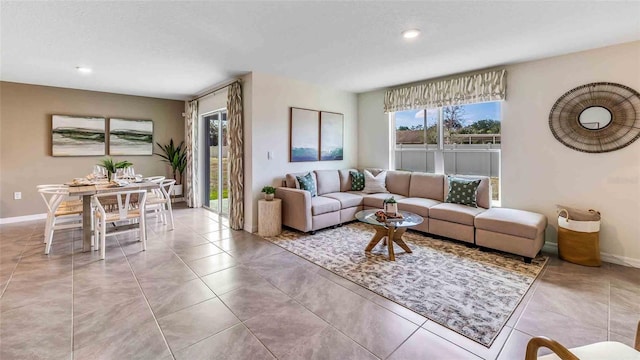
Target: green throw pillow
306 183
463 191
357 180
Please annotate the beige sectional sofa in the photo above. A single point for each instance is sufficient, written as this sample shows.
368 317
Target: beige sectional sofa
515 231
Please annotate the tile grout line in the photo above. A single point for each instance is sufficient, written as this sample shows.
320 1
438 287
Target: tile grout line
145 299
32 231
404 341
73 294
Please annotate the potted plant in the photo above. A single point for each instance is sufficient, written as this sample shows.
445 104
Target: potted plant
112 167
176 157
269 192
391 206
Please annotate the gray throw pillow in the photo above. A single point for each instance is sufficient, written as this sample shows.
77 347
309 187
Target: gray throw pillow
375 184
462 191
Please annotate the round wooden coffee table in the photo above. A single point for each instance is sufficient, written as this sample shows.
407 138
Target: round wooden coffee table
389 230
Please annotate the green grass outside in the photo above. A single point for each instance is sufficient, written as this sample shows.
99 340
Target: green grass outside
213 195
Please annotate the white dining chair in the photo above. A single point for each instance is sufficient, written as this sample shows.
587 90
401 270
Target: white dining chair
160 202
62 213
122 206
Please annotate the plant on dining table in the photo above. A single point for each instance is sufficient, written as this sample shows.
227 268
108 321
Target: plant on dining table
112 166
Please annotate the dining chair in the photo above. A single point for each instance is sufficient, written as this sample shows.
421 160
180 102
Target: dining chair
160 203
597 351
129 206
61 212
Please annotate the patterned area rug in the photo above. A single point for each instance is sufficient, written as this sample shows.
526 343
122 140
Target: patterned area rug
469 291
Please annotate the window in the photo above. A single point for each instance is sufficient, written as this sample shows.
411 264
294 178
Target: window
461 139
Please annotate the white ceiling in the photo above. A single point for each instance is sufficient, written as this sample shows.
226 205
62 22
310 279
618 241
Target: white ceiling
178 49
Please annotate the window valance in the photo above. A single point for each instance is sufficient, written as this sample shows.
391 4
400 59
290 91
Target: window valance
464 89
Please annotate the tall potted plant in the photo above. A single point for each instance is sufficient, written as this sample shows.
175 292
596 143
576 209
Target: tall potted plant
176 157
112 167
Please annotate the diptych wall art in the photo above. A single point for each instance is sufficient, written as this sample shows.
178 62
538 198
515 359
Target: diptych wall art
77 136
304 135
316 135
331 135
130 137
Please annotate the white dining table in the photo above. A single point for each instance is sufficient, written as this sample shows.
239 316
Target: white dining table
86 191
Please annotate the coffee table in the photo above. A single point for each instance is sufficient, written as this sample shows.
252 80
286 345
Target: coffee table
392 230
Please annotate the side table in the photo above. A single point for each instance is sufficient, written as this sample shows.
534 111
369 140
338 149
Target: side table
269 217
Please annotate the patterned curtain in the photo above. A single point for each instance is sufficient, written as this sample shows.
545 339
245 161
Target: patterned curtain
192 186
235 156
458 90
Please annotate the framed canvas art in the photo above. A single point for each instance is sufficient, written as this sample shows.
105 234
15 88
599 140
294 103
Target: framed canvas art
130 137
77 136
331 135
304 135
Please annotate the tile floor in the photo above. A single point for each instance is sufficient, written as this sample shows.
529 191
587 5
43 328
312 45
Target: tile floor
203 291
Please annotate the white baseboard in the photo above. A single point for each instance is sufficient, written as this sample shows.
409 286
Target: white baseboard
17 219
610 258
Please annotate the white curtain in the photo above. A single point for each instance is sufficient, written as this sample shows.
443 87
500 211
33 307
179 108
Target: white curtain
192 185
457 90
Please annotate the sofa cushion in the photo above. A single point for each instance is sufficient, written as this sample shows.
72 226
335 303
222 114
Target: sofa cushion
357 181
292 182
346 199
398 182
456 213
374 183
323 205
462 191
514 222
376 200
417 205
345 179
483 196
307 183
328 181
427 186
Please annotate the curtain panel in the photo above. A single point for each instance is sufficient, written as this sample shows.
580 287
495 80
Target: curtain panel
235 156
458 90
192 186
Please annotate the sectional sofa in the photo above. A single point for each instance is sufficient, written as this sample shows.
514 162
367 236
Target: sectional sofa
515 231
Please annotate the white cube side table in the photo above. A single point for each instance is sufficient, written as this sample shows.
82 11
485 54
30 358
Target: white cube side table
269 217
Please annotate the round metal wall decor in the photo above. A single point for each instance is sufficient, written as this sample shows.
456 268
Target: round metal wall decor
597 117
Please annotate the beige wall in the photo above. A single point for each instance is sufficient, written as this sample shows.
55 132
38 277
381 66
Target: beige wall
538 172
25 137
268 122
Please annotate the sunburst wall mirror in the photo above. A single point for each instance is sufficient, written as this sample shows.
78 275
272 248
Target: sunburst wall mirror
597 117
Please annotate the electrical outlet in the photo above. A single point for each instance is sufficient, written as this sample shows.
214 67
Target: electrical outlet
17 195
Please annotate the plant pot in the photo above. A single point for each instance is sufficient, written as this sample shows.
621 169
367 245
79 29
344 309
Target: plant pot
177 190
269 197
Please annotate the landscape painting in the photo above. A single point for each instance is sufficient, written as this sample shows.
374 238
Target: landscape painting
331 135
130 137
77 136
305 135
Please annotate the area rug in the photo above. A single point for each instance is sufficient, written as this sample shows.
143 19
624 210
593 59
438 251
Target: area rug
464 289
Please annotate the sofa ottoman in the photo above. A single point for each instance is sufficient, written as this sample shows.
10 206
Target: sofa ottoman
515 231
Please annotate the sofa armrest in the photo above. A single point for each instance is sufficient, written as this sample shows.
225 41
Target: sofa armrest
296 208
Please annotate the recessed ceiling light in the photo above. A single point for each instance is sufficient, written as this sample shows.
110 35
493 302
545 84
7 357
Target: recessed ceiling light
83 70
410 34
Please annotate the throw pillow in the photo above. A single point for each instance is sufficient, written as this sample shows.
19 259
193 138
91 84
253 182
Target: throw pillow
357 180
462 191
307 183
375 184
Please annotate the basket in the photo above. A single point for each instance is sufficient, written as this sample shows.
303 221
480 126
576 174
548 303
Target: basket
579 236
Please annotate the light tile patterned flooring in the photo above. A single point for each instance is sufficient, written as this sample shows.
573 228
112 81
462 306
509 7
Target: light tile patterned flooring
203 291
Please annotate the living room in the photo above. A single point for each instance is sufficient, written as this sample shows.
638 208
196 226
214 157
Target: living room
170 62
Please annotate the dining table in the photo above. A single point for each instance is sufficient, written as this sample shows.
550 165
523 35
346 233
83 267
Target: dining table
87 191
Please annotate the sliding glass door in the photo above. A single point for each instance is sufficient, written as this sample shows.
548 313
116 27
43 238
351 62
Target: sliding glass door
216 152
